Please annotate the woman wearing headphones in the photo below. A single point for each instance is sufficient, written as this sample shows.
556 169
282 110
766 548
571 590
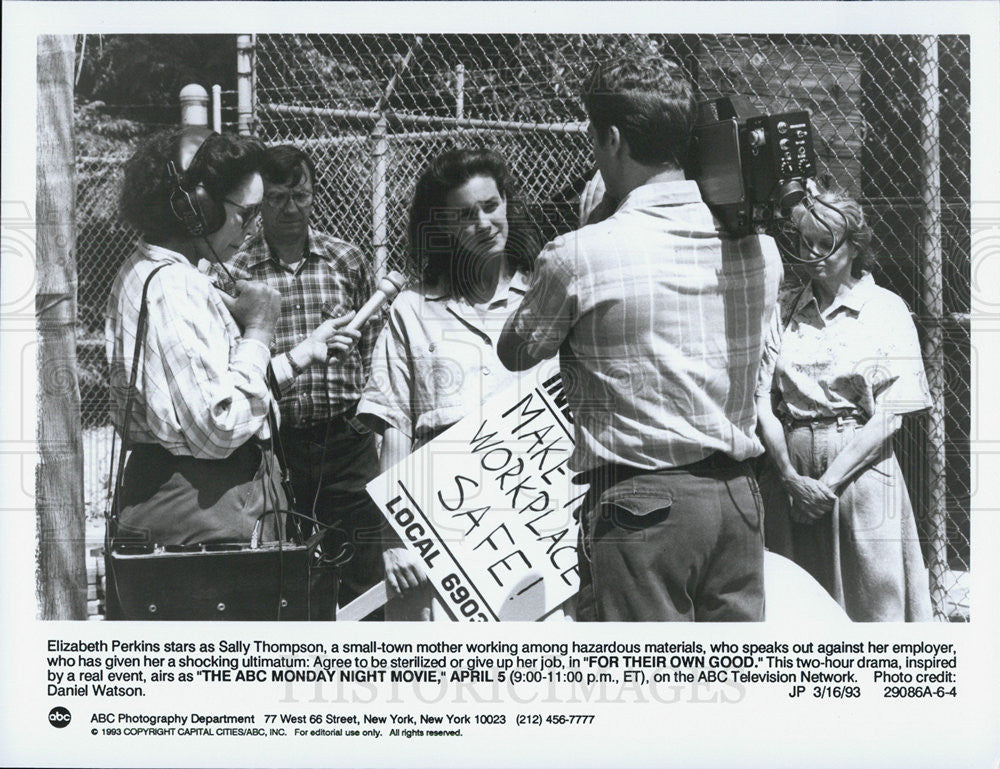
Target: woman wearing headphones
197 422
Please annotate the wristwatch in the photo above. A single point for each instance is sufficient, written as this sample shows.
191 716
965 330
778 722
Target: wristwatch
296 368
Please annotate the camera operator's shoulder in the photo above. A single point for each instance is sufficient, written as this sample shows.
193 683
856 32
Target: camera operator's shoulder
586 239
753 247
755 240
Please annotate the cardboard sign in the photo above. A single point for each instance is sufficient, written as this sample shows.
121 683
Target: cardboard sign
488 505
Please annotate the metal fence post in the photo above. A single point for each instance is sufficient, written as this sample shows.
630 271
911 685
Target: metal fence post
379 152
933 299
217 108
244 83
380 170
459 91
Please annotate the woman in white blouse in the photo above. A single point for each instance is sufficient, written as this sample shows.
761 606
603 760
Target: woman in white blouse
842 366
435 362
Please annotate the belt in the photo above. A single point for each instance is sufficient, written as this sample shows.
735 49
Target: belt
716 462
838 421
261 443
318 430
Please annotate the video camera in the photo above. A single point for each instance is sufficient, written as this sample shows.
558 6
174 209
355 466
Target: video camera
752 168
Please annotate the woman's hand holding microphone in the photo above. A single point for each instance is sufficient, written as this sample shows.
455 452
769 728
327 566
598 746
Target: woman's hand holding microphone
256 308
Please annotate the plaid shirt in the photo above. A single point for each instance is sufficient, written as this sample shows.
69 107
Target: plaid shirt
334 279
660 322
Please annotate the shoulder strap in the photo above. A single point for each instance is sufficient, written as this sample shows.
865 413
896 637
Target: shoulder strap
279 446
140 335
792 299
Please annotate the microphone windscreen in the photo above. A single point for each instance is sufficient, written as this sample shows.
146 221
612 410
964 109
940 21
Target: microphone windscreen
392 284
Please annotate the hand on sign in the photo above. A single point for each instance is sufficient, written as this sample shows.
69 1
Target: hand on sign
403 570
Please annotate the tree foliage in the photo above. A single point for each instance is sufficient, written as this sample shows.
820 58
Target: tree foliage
127 85
149 70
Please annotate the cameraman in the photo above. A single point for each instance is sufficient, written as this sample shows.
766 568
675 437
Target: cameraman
658 317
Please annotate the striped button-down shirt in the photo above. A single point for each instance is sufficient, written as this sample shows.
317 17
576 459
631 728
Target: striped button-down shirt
201 387
660 321
334 278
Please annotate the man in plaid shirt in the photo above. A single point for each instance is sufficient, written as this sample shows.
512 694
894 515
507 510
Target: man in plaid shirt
659 318
331 456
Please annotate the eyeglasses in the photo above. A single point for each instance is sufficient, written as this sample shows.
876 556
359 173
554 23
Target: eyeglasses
248 214
275 199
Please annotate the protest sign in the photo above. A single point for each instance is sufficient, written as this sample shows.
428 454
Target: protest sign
488 505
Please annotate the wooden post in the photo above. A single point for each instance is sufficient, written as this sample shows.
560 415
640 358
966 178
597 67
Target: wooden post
62 573
928 96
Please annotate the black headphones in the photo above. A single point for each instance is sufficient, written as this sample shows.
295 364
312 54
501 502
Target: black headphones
192 204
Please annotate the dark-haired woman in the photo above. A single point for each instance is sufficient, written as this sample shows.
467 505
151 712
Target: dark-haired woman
846 366
435 361
198 429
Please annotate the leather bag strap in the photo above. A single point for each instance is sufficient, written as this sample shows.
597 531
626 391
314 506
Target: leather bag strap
140 336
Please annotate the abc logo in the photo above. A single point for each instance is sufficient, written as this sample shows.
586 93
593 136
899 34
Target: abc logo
59 717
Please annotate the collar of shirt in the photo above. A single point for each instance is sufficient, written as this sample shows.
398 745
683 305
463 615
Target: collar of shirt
468 314
161 254
853 299
675 193
518 284
257 251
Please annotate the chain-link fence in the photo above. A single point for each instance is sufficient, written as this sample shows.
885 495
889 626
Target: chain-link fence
102 245
891 122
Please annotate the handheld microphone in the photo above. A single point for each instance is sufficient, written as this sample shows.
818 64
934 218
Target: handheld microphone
387 290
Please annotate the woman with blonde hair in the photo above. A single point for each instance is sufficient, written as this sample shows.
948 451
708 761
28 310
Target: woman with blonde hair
842 366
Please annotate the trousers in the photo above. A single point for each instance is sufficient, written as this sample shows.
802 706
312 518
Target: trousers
684 544
330 464
866 553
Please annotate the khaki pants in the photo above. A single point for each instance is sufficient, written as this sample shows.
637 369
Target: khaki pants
684 544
